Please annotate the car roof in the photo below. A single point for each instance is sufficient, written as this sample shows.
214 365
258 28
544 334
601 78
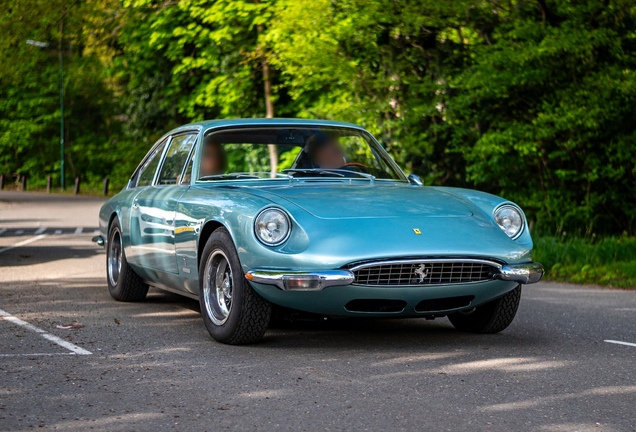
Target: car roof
206 124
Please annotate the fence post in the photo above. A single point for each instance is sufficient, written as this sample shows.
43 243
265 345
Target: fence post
1 181
48 184
77 185
105 190
24 182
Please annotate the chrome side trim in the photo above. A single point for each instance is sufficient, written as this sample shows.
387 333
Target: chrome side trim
426 260
523 273
277 278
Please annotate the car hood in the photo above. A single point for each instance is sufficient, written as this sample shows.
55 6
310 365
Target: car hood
365 200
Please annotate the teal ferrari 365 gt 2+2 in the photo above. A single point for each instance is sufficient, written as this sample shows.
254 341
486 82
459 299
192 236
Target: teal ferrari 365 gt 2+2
251 216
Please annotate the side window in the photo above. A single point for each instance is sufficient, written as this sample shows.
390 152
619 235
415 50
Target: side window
176 158
147 172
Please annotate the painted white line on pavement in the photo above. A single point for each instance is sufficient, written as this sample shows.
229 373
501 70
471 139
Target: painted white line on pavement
58 231
620 343
78 230
96 232
40 230
22 243
35 354
69 346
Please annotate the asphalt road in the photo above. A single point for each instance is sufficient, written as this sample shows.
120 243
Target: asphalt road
153 366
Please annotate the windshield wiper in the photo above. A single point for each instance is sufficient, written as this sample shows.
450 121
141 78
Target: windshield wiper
240 175
335 171
365 175
318 171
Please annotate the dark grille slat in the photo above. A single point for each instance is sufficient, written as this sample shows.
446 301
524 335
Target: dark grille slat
404 274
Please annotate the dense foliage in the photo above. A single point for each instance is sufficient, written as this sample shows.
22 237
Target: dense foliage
531 100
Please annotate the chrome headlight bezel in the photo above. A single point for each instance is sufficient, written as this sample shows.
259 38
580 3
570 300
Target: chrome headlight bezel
516 210
284 214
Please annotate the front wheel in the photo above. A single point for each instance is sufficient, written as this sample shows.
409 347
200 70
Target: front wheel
232 311
492 317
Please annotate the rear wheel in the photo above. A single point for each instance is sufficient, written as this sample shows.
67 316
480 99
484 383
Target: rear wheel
123 283
492 317
232 311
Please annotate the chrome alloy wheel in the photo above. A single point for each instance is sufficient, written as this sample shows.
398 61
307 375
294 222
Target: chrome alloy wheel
217 287
115 255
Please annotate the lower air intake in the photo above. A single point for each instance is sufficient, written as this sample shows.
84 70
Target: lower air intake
443 304
375 305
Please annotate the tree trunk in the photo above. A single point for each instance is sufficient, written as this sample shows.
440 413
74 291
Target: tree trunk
269 107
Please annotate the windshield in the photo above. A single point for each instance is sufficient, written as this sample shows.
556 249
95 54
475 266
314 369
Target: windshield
299 151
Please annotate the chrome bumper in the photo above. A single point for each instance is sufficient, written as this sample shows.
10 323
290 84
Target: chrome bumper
99 240
301 281
523 273
315 281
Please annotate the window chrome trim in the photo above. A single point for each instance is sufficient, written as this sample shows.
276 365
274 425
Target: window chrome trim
187 128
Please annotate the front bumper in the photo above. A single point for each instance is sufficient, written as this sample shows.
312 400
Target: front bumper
527 273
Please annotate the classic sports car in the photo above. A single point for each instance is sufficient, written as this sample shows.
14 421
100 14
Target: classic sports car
314 216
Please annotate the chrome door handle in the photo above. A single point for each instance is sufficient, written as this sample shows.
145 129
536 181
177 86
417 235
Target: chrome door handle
135 206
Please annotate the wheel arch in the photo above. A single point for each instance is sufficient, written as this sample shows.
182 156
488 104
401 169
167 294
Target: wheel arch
206 231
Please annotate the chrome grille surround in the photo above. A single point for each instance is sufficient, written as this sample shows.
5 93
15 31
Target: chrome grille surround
424 272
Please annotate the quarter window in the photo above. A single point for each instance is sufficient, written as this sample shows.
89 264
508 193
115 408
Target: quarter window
147 171
176 158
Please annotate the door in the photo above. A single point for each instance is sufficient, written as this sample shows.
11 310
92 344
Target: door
154 207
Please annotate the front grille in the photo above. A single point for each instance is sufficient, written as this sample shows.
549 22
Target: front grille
418 273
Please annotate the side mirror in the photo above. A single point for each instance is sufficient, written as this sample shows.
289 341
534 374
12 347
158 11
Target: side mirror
415 180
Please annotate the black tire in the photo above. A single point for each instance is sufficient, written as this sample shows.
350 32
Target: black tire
247 317
492 317
124 285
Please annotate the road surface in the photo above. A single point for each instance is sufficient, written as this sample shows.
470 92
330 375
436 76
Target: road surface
153 366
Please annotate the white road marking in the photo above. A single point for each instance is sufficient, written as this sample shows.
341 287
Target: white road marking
620 343
96 232
58 231
35 354
2 230
22 243
40 230
18 232
78 230
61 342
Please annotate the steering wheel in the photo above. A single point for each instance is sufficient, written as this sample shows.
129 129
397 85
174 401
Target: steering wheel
357 164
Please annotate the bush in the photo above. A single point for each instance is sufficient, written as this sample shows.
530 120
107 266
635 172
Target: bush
607 261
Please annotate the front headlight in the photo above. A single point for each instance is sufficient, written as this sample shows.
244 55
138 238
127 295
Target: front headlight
272 226
509 220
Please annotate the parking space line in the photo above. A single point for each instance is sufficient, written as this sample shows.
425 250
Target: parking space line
36 354
69 346
620 343
22 243
40 230
78 230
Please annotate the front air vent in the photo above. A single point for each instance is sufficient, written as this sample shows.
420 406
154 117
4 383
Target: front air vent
375 305
443 304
